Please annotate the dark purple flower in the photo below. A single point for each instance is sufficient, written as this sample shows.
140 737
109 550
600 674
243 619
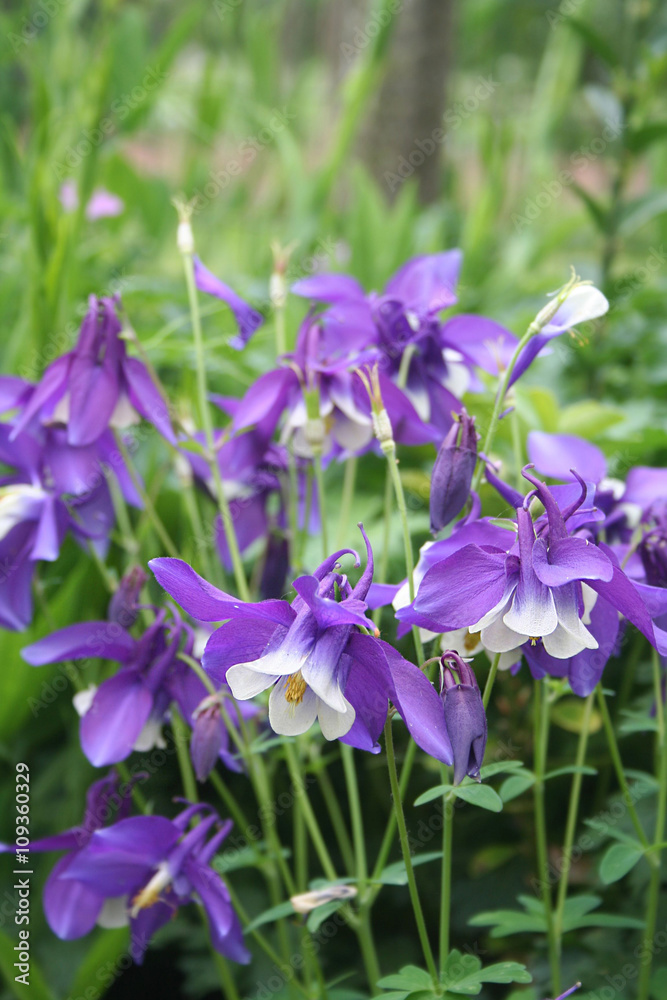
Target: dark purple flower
97 385
315 655
72 909
149 866
452 472
464 715
539 587
247 318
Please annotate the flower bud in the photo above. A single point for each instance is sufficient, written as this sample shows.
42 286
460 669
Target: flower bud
452 472
123 605
464 716
206 741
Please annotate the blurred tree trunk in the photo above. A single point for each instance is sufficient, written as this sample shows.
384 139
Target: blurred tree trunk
404 132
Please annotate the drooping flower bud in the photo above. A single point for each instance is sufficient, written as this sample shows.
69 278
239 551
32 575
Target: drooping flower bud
207 733
453 471
464 716
123 605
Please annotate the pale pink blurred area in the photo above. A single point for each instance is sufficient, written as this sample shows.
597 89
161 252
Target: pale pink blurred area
102 205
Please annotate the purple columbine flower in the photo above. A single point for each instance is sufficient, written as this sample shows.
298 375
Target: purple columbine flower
150 865
72 909
97 385
538 588
126 712
247 318
315 655
406 317
452 472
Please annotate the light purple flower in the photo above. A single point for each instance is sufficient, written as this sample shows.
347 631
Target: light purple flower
247 318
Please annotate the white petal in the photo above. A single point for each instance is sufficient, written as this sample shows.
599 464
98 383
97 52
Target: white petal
351 435
499 638
590 596
246 683
286 717
124 414
279 663
332 723
82 700
150 736
461 641
571 636
509 658
114 913
533 613
498 611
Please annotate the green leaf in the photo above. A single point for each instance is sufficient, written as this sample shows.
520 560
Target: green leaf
101 961
659 983
636 722
274 913
507 922
464 974
618 860
480 795
433 793
572 769
570 714
409 978
512 787
501 767
641 138
595 417
38 989
322 913
395 874
577 914
641 210
599 45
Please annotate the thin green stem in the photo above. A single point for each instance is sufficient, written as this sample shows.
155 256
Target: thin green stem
541 739
405 848
293 506
308 813
235 810
653 896
446 873
618 767
322 502
281 338
490 681
386 537
205 412
388 838
347 499
155 519
571 824
503 385
390 453
337 820
180 731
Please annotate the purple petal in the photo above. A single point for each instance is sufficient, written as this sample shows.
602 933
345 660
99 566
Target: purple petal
569 559
104 639
119 858
329 612
482 341
93 392
247 318
420 707
50 388
268 396
206 603
381 594
16 577
407 425
119 711
147 399
71 908
555 455
48 537
235 642
368 689
458 591
427 284
328 288
527 356
13 392
623 596
147 923
644 485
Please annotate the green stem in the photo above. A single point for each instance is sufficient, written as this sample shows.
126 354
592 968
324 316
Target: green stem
570 827
347 499
235 810
446 876
211 457
336 817
281 338
386 537
155 519
541 737
405 848
498 406
390 452
308 813
321 499
653 897
490 680
388 838
180 731
618 766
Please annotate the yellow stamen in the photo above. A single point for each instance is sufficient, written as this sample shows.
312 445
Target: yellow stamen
470 640
295 688
534 639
